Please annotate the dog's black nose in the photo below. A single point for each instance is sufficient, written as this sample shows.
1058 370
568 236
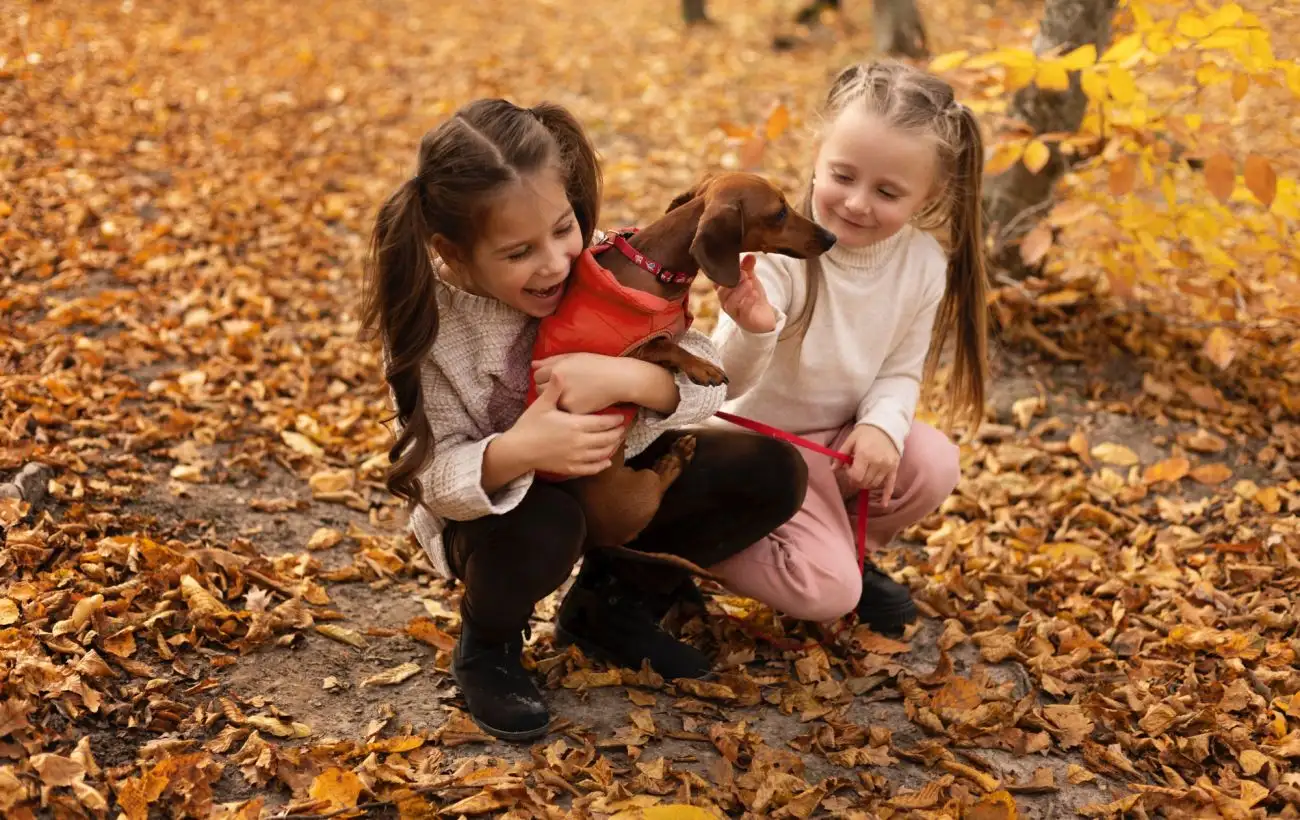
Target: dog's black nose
825 237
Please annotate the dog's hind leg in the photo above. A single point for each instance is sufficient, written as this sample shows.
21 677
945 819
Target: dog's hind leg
620 502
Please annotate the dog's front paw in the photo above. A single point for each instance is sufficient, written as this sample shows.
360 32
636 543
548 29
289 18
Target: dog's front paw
705 373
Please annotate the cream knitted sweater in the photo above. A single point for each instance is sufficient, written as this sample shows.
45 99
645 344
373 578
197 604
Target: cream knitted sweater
475 380
862 358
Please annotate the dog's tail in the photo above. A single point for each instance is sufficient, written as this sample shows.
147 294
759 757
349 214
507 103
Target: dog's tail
665 558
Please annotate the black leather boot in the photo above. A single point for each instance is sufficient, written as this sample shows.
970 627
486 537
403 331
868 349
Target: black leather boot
886 605
614 621
500 694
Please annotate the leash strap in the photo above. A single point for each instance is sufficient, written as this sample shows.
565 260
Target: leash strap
860 534
618 240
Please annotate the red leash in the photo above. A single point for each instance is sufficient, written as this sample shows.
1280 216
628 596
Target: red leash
860 534
775 432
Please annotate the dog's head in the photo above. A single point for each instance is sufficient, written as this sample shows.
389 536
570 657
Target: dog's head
744 212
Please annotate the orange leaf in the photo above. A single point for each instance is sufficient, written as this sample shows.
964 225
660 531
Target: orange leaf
1240 85
1212 474
1220 176
1123 173
1261 179
1171 469
777 121
340 788
736 131
1036 244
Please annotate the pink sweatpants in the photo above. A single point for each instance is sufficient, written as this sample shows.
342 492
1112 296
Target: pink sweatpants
808 567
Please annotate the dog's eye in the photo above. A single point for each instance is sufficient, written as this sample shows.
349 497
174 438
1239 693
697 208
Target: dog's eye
781 214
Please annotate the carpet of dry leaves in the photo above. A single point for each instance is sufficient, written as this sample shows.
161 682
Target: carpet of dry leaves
207 609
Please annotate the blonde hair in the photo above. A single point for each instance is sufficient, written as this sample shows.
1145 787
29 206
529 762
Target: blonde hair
912 100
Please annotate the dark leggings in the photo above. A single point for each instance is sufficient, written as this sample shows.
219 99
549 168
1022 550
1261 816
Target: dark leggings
737 489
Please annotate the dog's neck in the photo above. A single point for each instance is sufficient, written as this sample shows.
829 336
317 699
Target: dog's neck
667 241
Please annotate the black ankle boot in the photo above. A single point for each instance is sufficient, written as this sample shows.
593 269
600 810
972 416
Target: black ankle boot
886 605
610 620
502 697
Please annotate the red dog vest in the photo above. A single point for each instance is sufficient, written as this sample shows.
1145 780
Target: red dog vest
599 315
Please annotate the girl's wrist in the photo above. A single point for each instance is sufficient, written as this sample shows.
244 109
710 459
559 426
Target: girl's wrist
651 386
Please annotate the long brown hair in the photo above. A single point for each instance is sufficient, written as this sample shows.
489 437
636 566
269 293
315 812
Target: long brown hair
482 148
912 100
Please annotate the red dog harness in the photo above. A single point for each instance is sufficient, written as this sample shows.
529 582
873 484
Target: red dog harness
599 315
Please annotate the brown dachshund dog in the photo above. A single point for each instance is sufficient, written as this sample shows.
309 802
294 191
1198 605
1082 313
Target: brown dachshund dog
707 228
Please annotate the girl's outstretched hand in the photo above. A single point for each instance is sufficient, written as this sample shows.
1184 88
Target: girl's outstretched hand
747 303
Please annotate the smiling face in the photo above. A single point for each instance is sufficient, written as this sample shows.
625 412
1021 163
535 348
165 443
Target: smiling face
528 243
871 178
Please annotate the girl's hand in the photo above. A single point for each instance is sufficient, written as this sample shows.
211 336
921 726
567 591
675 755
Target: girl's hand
591 382
549 439
875 461
747 303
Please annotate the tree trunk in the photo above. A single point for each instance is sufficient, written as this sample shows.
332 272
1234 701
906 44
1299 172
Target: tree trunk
899 29
1013 198
693 12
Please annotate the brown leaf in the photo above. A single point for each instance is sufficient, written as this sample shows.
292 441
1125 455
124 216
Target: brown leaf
1035 244
999 805
342 635
56 770
1123 174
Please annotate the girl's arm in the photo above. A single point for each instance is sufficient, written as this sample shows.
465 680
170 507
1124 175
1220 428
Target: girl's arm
745 356
890 401
670 400
467 475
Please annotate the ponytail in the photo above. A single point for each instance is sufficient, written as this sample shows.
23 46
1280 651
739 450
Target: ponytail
401 304
964 309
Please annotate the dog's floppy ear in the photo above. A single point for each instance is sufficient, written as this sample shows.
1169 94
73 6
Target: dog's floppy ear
718 236
682 198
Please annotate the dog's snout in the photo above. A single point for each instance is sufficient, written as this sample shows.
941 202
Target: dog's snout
825 237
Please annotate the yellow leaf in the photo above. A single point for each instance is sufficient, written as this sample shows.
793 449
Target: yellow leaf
1066 550
191 473
1171 470
947 62
1212 474
1191 26
1009 57
1229 14
1220 176
1220 347
1052 76
1193 122
736 131
301 444
1116 454
1261 179
342 635
202 604
330 481
777 121
9 613
1036 155
1094 85
392 677
1123 50
1019 76
1252 762
340 788
1292 71
1123 89
1080 58
324 538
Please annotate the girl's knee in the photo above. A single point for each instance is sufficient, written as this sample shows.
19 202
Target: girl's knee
830 599
939 469
781 477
